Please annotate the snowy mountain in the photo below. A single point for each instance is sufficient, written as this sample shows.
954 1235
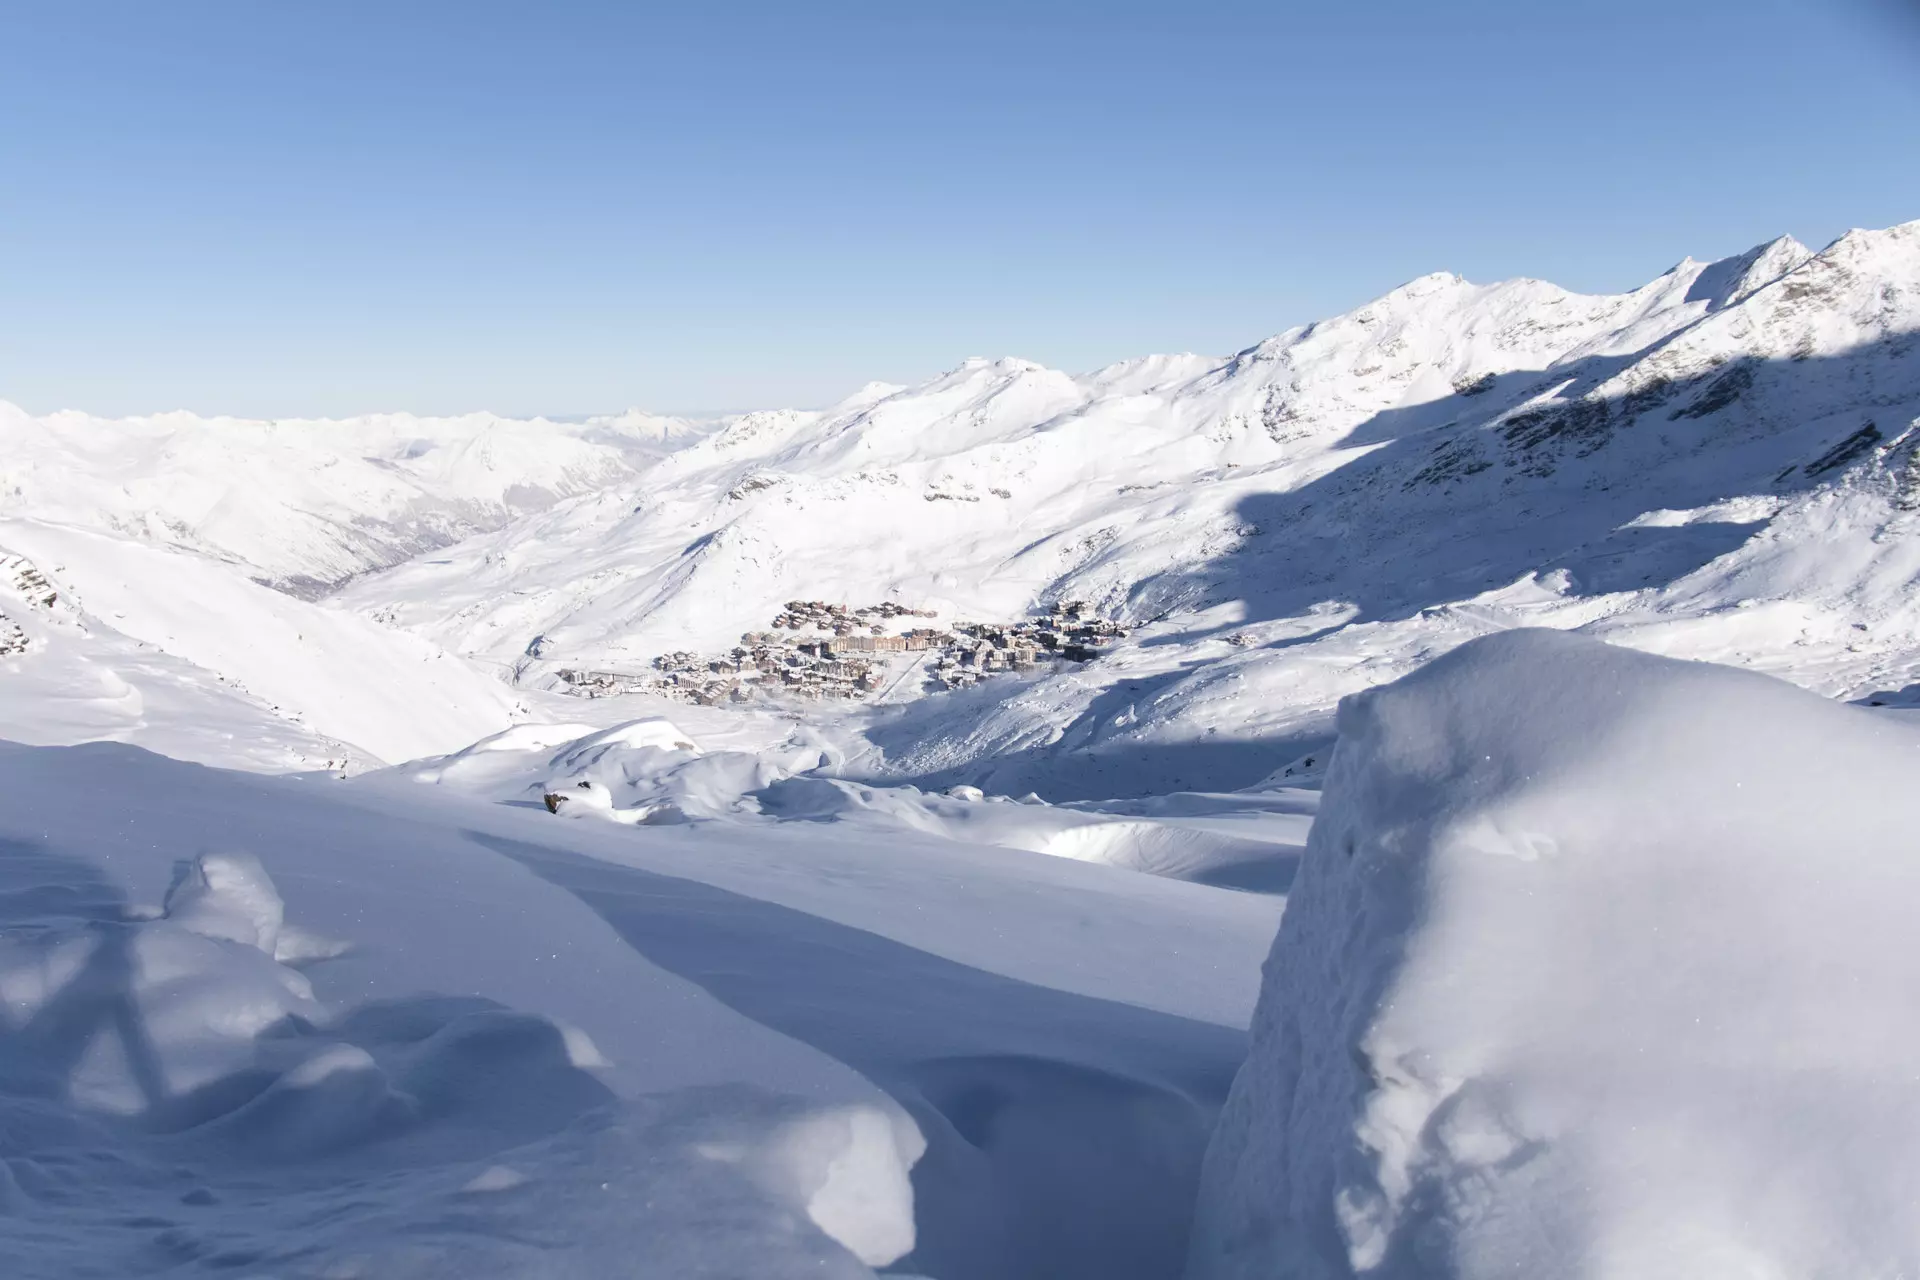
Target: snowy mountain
306 505
1717 465
1710 465
156 541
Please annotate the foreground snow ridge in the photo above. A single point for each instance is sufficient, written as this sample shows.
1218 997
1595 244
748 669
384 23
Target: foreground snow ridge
1599 964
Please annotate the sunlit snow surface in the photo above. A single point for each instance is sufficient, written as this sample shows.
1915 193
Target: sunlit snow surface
1598 964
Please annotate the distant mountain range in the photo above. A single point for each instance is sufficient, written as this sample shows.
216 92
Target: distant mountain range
1718 464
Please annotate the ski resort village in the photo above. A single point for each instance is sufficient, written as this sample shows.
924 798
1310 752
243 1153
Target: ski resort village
839 653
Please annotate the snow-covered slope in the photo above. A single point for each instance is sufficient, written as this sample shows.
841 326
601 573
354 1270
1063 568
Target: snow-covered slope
154 535
1598 964
123 640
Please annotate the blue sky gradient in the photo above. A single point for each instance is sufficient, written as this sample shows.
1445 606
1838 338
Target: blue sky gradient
295 209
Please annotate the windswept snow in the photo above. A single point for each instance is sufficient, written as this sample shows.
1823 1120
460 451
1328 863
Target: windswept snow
1599 964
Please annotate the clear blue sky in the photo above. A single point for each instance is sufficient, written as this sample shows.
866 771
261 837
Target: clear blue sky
280 208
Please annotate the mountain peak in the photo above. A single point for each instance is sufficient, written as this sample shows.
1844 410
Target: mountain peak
1731 280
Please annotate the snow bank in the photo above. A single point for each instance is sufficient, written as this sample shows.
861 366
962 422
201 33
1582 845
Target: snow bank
1599 964
1244 841
640 771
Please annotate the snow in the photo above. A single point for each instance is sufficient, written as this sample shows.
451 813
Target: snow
309 504
226 896
496 980
647 771
362 689
1597 964
1342 502
577 1047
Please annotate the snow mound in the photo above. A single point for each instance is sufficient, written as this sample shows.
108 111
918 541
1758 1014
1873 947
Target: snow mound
641 771
650 772
157 1018
226 895
1598 964
849 1166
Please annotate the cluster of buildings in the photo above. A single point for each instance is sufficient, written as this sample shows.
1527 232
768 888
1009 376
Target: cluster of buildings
840 658
26 578
806 669
21 574
842 621
981 650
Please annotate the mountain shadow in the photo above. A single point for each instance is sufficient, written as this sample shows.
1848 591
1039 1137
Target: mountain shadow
1508 484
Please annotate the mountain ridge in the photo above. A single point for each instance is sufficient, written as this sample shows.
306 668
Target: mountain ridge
1342 498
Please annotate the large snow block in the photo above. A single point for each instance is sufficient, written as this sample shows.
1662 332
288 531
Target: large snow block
1598 965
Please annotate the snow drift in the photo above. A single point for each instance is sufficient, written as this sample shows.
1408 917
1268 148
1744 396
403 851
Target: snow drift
161 1068
1599 964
